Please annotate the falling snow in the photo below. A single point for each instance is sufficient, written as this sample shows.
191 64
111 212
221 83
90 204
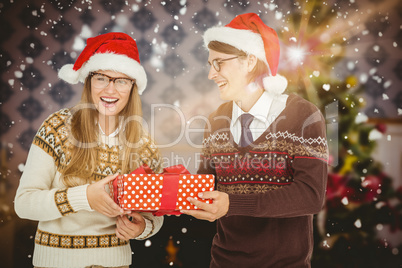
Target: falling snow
349 27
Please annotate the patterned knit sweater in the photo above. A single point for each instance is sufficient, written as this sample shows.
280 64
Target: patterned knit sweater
275 185
70 233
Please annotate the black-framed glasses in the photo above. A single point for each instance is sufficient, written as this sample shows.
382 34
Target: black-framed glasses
216 63
101 81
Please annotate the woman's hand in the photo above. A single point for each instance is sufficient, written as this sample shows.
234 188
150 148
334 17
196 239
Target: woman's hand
129 229
100 200
209 212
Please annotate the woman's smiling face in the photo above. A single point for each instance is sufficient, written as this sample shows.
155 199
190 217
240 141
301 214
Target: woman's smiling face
109 101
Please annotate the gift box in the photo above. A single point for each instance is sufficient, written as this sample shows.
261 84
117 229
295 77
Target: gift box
161 194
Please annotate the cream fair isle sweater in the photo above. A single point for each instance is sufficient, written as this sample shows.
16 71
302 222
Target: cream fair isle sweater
70 233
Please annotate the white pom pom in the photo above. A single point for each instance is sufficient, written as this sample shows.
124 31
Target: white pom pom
68 74
275 84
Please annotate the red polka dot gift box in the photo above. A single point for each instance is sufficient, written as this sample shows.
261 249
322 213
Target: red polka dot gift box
164 193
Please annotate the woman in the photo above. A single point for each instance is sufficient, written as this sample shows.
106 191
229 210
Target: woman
77 152
267 151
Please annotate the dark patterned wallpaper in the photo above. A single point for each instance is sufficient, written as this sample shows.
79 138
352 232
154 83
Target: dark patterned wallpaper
37 37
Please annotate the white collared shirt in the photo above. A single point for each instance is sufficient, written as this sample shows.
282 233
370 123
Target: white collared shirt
265 111
111 135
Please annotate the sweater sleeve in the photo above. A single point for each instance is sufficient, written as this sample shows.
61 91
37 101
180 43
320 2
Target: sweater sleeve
305 195
41 195
37 198
206 166
152 225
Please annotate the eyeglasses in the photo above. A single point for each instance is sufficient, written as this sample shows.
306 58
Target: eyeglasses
217 63
101 81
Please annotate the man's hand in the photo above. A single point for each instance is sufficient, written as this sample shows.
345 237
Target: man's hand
209 212
129 229
100 200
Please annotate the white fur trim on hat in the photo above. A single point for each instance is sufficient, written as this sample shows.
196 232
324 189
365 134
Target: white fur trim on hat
275 84
245 40
68 74
106 61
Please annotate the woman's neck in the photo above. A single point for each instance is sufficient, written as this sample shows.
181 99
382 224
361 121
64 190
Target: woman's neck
108 124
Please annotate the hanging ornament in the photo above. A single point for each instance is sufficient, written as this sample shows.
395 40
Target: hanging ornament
348 164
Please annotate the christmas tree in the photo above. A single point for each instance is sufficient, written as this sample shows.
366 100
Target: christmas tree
361 199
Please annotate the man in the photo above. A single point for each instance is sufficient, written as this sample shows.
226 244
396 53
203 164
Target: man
267 150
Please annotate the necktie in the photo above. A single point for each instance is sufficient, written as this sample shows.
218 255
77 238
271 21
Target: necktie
246 137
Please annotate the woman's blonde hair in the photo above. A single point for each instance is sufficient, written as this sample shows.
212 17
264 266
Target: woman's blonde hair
83 132
260 69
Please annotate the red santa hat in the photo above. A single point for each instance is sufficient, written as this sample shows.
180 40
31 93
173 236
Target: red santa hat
111 51
248 33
